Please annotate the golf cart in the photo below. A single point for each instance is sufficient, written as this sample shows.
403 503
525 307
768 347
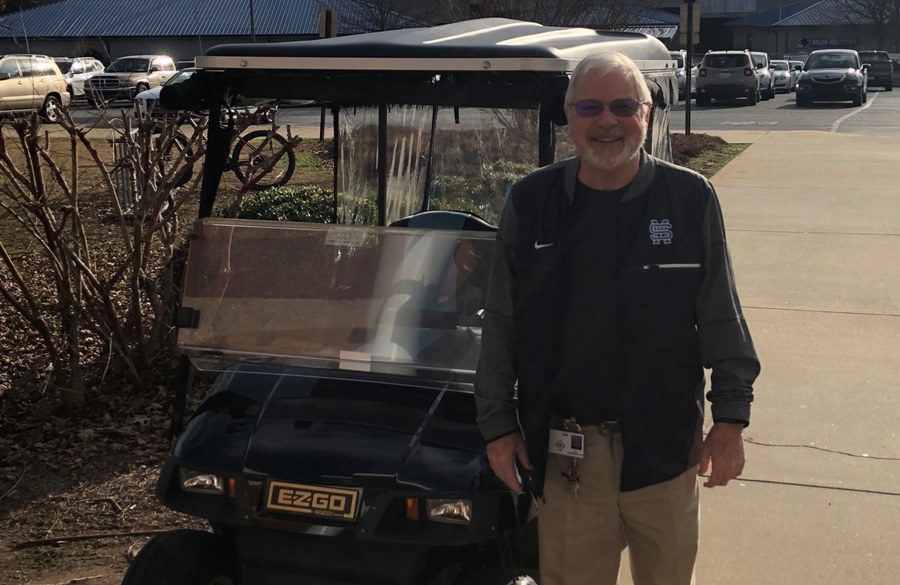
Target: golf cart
338 444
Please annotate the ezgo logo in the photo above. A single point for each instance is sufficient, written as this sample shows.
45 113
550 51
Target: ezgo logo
325 502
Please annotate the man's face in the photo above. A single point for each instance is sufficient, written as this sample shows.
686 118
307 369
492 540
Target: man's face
606 141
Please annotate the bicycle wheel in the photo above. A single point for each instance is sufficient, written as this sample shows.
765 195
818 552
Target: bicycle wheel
169 159
255 150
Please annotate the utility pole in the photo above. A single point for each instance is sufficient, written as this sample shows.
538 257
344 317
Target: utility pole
689 30
252 23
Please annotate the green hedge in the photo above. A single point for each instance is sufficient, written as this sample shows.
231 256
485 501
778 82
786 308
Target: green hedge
307 204
484 194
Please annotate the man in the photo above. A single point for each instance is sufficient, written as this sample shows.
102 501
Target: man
610 290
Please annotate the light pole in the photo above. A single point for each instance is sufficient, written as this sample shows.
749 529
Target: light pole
252 23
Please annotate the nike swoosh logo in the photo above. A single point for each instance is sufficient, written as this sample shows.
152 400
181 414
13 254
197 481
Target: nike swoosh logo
538 246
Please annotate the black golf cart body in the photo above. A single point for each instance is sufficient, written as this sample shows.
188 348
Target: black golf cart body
339 441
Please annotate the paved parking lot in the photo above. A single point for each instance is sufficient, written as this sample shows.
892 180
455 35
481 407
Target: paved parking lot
880 116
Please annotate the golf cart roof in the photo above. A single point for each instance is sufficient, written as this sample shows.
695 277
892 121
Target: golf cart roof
490 44
491 63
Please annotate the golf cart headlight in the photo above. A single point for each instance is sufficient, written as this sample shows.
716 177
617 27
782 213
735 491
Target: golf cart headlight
201 483
450 511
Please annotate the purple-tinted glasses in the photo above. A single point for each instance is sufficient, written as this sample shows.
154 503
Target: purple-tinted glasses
622 108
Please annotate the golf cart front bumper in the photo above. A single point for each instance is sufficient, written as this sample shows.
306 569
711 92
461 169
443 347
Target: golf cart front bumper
383 512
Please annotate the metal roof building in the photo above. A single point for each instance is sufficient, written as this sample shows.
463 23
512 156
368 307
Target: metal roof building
798 28
181 28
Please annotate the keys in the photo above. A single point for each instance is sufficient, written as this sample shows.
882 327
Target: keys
572 475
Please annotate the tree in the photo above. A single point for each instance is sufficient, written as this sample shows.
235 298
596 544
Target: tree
878 15
105 238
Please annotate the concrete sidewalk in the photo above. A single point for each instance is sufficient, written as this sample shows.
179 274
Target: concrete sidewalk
813 220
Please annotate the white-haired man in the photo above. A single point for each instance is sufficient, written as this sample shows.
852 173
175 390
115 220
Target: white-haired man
610 290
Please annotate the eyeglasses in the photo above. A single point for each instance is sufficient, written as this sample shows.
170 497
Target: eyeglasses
622 108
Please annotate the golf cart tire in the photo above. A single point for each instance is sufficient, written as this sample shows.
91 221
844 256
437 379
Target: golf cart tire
183 557
264 182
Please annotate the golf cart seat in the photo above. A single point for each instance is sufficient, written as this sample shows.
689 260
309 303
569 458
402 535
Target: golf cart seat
445 220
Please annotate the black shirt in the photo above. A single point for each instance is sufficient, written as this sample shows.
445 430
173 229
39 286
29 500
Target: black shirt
590 375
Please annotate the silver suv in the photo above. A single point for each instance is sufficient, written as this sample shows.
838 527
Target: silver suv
77 71
128 76
766 75
31 83
727 75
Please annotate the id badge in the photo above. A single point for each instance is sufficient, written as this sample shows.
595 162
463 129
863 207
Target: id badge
566 443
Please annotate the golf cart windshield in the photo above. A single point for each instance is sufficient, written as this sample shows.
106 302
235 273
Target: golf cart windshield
438 158
392 300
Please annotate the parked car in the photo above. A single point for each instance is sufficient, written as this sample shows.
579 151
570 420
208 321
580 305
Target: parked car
187 64
796 66
31 83
832 75
766 75
147 103
339 442
128 76
727 75
881 69
76 71
785 76
895 59
680 57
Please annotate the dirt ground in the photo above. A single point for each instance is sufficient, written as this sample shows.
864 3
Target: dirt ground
95 476
77 495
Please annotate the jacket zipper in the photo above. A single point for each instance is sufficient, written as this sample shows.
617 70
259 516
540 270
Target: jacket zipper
668 266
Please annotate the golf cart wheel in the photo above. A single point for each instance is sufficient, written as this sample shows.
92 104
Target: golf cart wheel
50 111
254 150
183 557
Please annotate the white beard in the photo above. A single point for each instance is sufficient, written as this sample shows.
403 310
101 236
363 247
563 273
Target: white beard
612 160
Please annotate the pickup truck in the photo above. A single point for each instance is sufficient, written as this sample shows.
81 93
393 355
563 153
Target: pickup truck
881 69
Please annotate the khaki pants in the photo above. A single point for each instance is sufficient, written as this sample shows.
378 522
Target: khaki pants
582 538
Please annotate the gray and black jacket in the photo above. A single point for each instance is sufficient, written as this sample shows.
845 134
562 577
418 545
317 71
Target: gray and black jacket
679 307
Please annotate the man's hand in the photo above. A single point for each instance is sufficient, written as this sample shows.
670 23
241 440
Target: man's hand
724 446
502 454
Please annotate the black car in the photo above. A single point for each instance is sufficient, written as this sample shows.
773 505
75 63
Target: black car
881 69
339 443
832 75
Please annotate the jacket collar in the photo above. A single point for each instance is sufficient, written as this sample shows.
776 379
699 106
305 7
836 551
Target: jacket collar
640 183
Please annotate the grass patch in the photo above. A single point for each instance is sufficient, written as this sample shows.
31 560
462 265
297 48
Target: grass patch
703 153
710 162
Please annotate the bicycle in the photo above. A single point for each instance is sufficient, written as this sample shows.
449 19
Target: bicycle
252 152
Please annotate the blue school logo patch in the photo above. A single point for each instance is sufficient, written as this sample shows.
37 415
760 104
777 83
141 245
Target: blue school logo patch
661 232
